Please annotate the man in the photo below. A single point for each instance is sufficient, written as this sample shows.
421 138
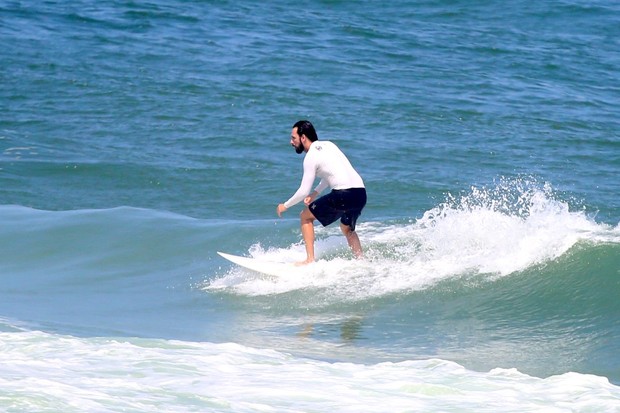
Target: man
346 200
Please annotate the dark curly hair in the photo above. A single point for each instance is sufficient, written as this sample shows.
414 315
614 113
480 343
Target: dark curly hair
304 127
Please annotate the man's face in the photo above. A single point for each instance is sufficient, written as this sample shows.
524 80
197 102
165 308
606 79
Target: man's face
296 141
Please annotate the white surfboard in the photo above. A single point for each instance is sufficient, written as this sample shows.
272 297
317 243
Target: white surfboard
276 269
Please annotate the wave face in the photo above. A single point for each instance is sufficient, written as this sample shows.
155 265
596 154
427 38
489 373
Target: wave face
481 279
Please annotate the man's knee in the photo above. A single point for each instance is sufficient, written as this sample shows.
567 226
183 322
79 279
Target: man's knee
306 215
346 230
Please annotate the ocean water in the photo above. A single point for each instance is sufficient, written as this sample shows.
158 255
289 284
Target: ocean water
137 139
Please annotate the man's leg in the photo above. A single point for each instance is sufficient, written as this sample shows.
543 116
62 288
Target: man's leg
307 231
353 240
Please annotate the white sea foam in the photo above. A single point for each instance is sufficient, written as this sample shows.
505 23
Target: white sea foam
49 373
492 232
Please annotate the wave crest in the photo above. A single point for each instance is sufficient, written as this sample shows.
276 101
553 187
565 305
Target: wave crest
488 231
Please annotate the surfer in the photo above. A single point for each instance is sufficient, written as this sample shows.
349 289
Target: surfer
326 161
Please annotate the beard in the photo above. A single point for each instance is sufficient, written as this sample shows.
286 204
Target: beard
299 149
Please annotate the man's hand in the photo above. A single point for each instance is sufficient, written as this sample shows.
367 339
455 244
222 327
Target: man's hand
308 200
281 208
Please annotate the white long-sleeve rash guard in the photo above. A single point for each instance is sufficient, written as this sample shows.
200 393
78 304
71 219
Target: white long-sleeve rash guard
326 161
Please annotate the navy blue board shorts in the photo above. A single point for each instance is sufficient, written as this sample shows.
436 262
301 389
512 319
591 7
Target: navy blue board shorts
346 204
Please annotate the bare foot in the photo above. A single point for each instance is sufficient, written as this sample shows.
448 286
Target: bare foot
306 262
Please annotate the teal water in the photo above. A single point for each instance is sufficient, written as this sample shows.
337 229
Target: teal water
139 138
